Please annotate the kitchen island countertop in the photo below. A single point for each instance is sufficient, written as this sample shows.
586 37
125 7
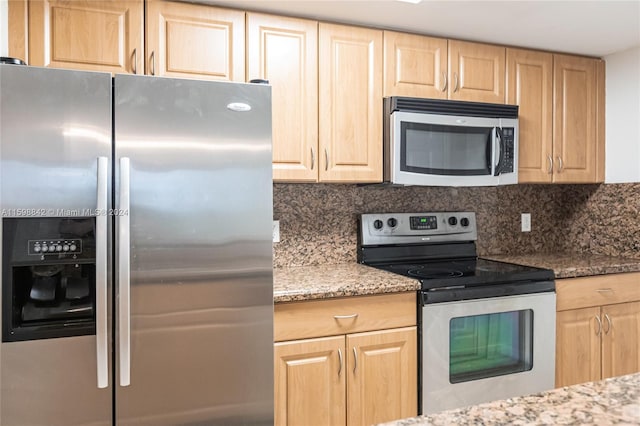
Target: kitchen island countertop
327 281
570 265
611 401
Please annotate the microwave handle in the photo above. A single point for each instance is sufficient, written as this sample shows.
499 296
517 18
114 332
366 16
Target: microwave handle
501 157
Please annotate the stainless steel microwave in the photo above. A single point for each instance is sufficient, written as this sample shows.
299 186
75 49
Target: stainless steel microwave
449 143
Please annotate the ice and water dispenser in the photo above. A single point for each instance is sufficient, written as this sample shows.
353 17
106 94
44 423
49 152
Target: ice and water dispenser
48 282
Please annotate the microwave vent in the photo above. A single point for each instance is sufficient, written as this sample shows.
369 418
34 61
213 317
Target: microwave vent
446 107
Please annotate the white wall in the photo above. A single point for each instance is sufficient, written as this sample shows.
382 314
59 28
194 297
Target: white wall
623 116
4 28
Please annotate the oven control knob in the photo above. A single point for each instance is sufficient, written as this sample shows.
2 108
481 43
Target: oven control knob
453 221
392 222
464 221
378 224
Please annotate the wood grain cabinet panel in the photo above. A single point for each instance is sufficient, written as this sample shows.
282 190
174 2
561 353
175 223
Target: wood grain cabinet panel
383 376
86 35
597 328
578 346
194 41
476 72
350 104
415 66
575 128
310 382
285 52
530 85
621 339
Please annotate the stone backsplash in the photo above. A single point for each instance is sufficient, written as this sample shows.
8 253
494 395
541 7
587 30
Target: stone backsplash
318 222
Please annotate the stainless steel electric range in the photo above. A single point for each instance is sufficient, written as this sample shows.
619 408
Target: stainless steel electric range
487 328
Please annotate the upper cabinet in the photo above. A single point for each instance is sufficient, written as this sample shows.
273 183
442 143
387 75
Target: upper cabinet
194 41
561 117
476 72
575 120
86 35
350 104
284 51
428 67
415 66
530 85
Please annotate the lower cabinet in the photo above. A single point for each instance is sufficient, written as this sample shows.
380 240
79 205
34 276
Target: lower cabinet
358 378
597 328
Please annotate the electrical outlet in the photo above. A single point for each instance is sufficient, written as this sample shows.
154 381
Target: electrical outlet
276 231
526 222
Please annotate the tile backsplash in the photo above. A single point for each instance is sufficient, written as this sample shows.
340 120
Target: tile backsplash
318 222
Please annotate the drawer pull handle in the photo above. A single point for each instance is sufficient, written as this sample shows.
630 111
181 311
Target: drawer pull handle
606 316
355 360
339 317
605 290
341 362
599 325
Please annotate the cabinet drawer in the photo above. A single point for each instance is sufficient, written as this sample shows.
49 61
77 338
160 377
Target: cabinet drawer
575 293
299 320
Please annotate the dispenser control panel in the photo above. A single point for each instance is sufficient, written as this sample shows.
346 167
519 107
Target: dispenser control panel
55 246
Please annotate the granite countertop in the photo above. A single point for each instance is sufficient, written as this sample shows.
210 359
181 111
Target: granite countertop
569 265
326 281
610 401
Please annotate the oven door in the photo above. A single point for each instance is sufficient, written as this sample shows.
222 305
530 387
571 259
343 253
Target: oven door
481 350
445 150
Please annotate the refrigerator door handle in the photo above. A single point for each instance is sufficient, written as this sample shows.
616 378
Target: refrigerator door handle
102 347
124 277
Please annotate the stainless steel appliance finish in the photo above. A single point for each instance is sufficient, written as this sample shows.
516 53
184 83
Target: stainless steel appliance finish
188 291
438 393
487 329
449 143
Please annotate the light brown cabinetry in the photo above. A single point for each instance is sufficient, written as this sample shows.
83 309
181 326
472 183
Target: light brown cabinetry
364 372
597 328
476 72
415 66
561 116
285 52
86 35
530 85
350 104
194 41
428 67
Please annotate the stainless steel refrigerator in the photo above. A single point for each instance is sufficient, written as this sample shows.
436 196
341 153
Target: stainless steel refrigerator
136 250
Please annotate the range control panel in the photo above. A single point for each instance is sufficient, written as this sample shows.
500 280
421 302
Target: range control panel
409 228
55 246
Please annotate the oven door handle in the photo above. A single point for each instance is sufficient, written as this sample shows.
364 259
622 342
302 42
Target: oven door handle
499 138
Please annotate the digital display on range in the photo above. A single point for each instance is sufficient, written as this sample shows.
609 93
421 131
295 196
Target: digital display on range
423 222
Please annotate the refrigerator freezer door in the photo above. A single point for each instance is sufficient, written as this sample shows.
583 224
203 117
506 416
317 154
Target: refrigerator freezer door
200 214
54 124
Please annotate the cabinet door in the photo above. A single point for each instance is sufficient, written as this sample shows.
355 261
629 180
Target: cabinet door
382 376
415 66
285 52
87 35
530 85
578 346
574 125
310 382
621 339
350 81
476 72
194 41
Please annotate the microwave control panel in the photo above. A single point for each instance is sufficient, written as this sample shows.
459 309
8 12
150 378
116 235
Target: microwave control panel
508 133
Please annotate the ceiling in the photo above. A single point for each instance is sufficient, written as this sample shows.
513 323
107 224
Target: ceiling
594 28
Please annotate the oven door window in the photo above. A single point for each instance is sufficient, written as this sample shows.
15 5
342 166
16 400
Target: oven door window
445 150
489 345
